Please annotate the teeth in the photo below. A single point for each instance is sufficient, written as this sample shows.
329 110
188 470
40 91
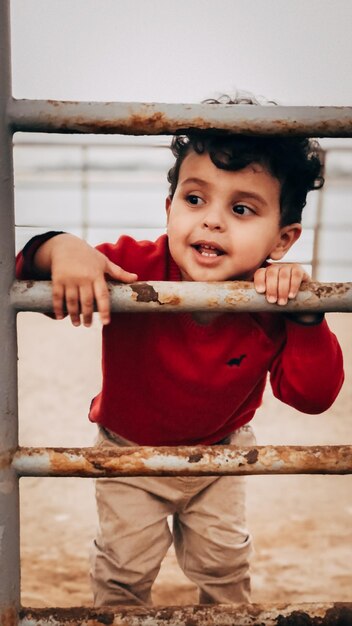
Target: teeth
207 250
204 253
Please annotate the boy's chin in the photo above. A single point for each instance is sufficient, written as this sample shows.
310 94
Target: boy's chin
211 276
203 276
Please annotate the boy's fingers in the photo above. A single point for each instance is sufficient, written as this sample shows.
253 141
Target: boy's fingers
271 282
87 303
116 272
58 298
259 280
280 282
297 277
102 297
72 304
284 284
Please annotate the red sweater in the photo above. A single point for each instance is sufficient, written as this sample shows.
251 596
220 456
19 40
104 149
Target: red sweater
168 380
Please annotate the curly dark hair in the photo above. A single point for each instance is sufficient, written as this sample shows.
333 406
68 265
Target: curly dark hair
295 161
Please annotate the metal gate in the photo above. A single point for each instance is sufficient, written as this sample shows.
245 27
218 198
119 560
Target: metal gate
145 119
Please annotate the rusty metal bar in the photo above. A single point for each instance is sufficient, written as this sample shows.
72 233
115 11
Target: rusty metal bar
181 461
139 118
329 614
166 297
9 493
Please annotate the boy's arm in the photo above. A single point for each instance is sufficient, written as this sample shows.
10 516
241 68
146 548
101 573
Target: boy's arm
308 372
77 271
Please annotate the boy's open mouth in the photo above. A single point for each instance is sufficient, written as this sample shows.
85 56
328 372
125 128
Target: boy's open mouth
207 249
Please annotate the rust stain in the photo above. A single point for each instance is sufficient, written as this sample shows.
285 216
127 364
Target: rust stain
237 285
134 125
72 615
195 458
158 121
340 614
192 621
9 616
145 292
30 284
237 297
252 456
170 299
297 618
102 462
337 614
338 289
6 459
326 290
201 123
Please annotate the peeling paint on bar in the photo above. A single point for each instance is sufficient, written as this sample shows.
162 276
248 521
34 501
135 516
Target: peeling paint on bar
42 462
140 118
182 461
9 616
329 614
163 462
164 296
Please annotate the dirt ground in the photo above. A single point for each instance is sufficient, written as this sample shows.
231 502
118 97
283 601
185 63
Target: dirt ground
301 524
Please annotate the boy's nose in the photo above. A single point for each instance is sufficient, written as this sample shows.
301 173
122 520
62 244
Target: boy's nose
213 222
212 225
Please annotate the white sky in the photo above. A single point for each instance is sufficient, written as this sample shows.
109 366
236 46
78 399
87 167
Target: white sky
294 51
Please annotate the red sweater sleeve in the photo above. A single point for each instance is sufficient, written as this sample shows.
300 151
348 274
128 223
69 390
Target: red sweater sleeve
24 259
308 372
142 257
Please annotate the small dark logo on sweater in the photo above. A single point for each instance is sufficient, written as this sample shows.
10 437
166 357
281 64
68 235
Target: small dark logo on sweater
236 361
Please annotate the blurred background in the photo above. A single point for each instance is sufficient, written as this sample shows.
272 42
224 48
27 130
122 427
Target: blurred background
292 51
172 51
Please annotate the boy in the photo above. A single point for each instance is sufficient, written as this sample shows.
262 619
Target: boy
190 379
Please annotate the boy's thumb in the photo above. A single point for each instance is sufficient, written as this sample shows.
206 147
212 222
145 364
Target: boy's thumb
116 272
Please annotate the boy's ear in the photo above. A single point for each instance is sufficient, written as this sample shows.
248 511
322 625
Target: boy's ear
288 235
168 206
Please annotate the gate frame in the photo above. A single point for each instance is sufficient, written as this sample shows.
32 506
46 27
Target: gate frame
122 118
9 487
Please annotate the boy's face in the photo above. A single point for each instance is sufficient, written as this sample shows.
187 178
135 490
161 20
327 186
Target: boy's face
222 224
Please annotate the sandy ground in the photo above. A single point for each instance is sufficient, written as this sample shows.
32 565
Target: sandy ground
301 524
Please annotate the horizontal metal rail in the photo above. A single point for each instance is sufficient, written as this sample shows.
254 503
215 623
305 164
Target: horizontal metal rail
180 461
329 614
164 296
134 118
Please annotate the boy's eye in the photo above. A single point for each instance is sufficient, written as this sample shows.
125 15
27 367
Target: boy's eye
242 209
195 200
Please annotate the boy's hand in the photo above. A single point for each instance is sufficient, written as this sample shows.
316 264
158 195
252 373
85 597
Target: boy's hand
280 281
78 276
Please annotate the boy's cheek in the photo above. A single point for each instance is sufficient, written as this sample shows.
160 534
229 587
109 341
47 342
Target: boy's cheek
167 209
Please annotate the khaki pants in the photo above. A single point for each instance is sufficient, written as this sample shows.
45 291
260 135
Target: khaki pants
209 534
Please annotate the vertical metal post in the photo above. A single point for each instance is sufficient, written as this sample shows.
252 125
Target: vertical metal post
9 488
